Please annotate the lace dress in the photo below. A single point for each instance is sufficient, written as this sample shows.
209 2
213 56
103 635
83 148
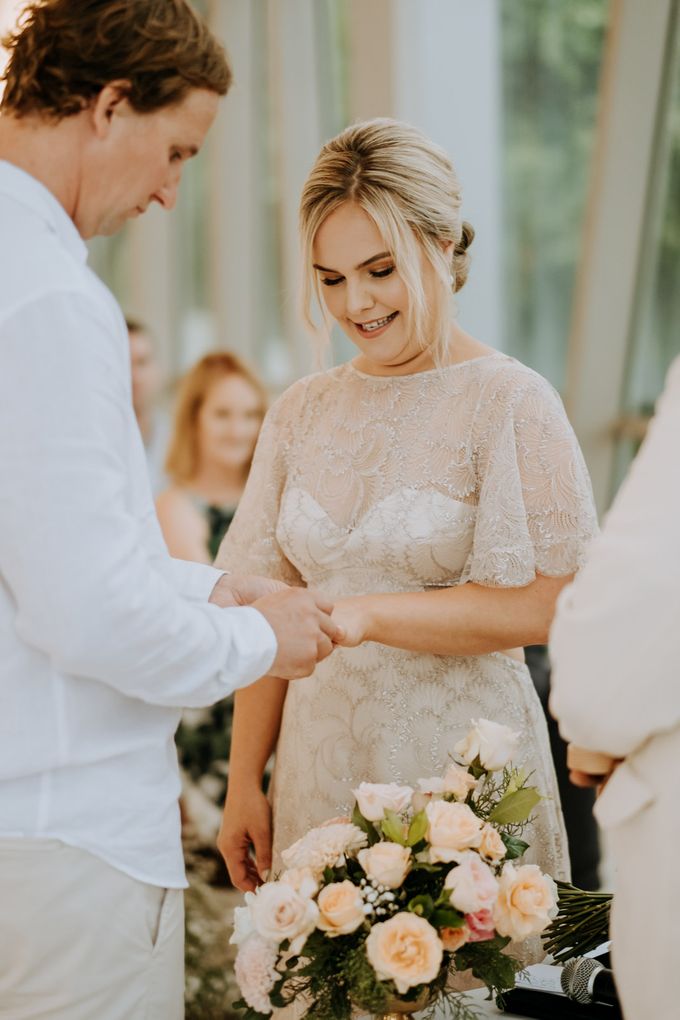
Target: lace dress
382 484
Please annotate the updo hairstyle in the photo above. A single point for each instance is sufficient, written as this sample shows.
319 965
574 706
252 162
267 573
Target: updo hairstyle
409 188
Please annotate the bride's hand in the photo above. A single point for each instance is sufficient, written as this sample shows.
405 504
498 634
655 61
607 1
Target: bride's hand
350 614
246 824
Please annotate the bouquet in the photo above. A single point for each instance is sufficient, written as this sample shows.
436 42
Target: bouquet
376 911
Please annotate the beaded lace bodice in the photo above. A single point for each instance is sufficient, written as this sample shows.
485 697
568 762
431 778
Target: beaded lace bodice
470 472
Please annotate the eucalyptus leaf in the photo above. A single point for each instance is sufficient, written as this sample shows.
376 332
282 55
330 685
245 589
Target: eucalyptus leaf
515 807
393 827
417 828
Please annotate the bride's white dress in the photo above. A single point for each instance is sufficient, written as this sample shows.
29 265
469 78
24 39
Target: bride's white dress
377 484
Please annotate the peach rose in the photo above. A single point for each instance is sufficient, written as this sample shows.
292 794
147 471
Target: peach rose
491 846
458 781
279 912
428 790
527 901
341 908
405 949
491 742
452 827
473 885
386 863
374 799
454 938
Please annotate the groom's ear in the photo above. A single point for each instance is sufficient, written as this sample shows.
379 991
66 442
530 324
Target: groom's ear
111 103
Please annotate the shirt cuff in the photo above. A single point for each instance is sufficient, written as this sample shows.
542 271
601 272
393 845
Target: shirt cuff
195 581
255 644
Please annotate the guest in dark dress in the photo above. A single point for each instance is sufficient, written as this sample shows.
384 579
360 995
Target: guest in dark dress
220 407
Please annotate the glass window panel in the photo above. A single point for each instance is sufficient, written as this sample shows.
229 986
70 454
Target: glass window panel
655 339
551 55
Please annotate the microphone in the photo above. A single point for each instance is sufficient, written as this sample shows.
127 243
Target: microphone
585 980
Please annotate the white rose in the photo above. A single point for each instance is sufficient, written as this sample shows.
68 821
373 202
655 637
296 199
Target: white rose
452 827
341 908
428 790
324 847
279 913
473 885
491 846
302 880
374 799
386 863
243 922
405 949
492 743
458 781
527 901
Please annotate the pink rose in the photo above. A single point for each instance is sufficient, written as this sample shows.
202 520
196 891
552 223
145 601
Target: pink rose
480 926
473 885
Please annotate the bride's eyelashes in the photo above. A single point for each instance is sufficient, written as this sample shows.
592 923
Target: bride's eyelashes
380 274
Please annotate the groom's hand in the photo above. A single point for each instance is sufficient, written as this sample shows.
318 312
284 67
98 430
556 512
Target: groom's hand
305 632
243 589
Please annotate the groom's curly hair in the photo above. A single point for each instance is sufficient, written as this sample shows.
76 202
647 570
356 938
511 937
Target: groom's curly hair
63 52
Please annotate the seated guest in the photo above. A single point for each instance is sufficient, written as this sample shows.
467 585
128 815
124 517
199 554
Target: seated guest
220 408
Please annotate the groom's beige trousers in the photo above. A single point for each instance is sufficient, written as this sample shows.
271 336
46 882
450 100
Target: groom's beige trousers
80 940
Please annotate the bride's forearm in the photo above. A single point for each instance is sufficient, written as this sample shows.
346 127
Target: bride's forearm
465 620
257 720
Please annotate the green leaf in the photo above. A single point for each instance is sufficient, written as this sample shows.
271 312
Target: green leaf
417 828
488 963
393 827
446 917
515 807
515 847
421 905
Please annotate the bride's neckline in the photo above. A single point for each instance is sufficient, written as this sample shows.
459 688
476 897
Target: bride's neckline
424 372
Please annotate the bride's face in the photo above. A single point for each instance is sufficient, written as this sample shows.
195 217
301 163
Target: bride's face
363 291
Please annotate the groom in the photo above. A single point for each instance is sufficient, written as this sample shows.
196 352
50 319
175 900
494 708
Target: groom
103 637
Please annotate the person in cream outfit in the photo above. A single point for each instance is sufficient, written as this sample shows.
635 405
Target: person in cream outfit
615 646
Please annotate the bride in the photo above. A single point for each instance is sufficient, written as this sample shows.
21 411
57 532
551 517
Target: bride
432 487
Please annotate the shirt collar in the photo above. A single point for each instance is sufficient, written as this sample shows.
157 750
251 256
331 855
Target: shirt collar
24 188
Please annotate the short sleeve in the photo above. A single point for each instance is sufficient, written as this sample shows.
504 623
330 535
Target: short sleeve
536 513
250 545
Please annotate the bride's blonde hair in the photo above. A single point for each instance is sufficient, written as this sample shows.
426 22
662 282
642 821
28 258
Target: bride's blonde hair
409 188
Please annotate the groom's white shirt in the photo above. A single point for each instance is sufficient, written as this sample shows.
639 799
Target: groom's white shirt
103 636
